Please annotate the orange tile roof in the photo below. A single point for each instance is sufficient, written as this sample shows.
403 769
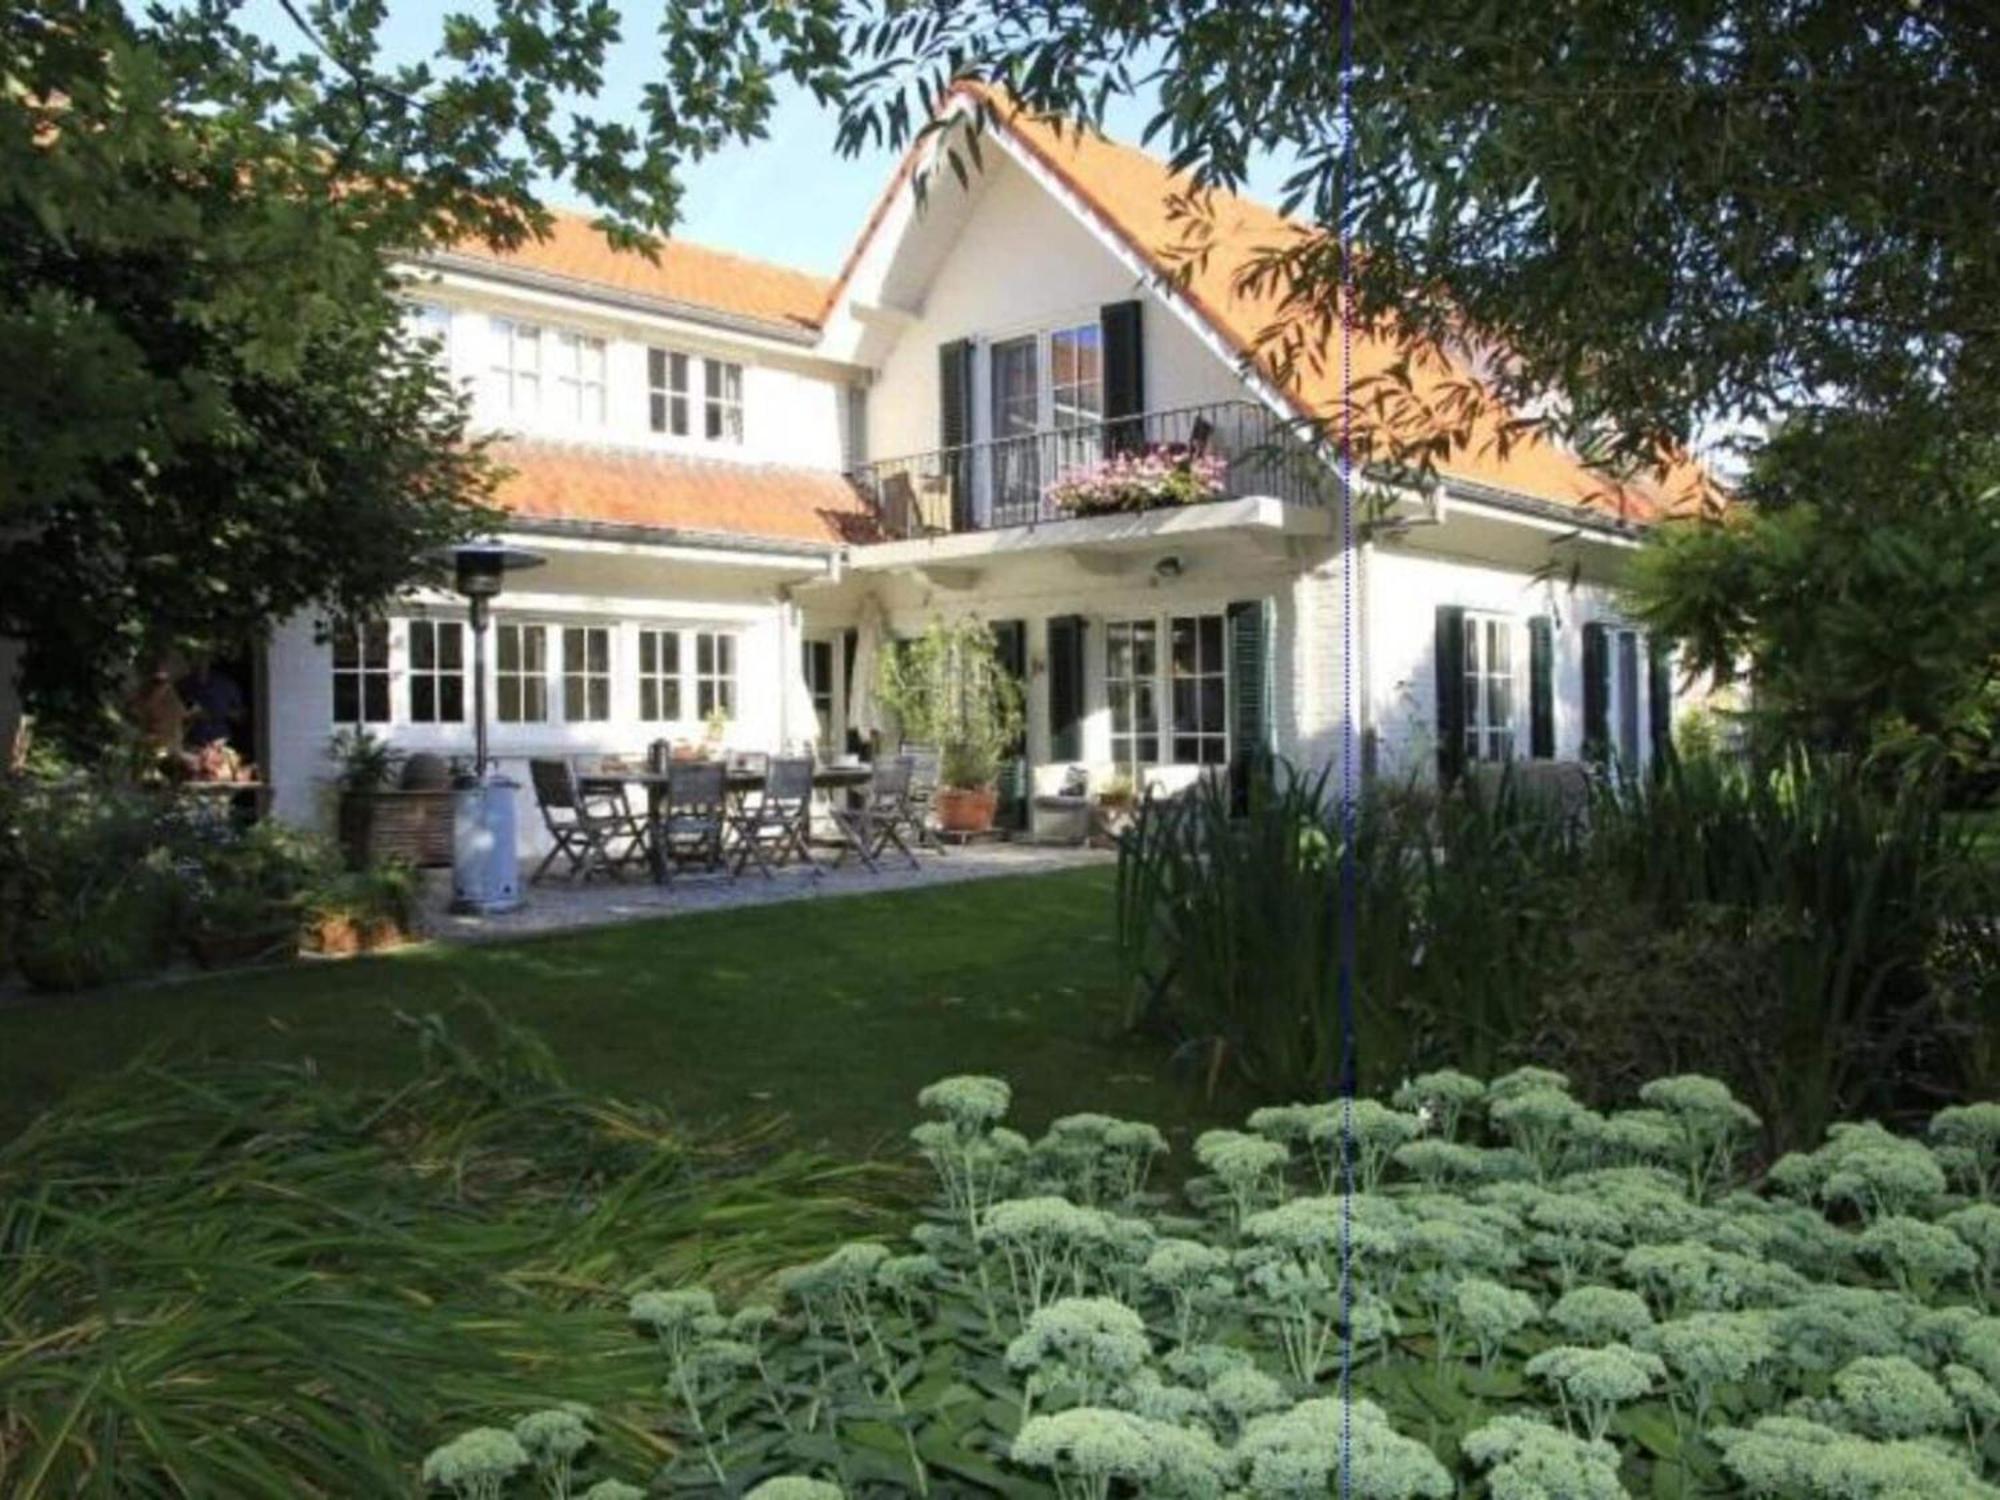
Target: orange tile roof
1134 195
682 272
562 482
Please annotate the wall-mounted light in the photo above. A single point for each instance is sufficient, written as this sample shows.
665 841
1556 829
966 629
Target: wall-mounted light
1167 569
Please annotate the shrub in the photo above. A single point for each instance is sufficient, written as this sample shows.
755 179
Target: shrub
1181 1349
1825 947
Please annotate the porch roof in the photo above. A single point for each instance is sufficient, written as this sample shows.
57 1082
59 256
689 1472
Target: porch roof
669 493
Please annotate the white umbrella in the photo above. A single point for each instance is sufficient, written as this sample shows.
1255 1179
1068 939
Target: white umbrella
801 714
864 710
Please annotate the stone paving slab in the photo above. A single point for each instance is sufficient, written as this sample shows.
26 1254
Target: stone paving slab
556 905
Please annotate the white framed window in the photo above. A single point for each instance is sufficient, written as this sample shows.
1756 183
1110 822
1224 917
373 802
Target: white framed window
1168 706
521 674
714 673
1198 672
1131 689
586 673
659 676
429 323
1489 687
578 367
678 406
361 672
437 672
1076 376
667 391
515 377
722 401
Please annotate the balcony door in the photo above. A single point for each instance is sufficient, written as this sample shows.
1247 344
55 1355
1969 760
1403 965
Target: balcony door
1014 484
1047 415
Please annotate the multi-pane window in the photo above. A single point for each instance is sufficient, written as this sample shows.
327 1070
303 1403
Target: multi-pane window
361 672
578 366
521 674
659 675
1199 674
437 672
515 379
818 668
722 401
667 389
1131 686
675 403
586 673
1489 688
428 323
714 673
1076 376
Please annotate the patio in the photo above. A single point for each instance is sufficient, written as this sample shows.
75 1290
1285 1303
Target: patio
556 905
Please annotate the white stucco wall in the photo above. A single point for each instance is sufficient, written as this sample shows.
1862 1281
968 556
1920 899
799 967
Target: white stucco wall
793 400
1405 586
1022 263
574 590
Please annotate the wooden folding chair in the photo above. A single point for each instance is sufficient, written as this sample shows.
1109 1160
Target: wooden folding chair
773 828
920 805
596 833
695 817
876 821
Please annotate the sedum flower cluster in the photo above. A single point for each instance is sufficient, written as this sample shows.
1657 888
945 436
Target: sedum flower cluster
1527 1298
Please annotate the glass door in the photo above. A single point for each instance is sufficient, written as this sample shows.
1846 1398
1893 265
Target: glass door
1014 480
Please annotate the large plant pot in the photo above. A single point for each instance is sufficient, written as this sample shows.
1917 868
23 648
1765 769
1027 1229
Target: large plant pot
966 809
408 825
217 948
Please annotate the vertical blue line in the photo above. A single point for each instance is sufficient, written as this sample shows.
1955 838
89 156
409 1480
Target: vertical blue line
1348 703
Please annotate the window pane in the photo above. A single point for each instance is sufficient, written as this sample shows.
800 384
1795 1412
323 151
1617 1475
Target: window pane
423 645
346 698
375 697
451 647
423 699
649 698
600 698
649 646
451 700
508 643
704 653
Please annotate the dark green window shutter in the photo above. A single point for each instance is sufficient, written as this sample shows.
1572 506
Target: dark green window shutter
955 426
1122 325
1450 692
1541 688
1250 702
1596 692
850 640
1660 696
1066 634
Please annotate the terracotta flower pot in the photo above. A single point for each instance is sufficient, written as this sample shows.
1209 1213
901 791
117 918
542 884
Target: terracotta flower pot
966 809
335 936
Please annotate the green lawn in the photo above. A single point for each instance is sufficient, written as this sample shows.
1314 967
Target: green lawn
832 1012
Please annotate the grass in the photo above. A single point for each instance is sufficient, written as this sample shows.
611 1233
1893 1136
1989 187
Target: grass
832 1013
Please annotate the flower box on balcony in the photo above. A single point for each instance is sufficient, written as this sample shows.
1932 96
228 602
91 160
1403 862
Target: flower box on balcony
1161 475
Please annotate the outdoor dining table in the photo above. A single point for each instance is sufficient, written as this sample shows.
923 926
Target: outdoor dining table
738 782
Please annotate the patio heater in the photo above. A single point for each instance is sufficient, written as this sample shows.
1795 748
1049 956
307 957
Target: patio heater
485 867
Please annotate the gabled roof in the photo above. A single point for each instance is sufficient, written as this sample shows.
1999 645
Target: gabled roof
1132 197
693 497
689 275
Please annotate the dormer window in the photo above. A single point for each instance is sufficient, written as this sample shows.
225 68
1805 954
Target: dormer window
690 396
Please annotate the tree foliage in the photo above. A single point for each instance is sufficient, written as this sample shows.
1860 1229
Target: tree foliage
1868 616
1658 212
210 416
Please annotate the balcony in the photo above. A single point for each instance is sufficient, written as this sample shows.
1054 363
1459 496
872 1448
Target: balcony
1158 460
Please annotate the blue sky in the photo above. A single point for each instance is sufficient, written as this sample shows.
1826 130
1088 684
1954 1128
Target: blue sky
790 198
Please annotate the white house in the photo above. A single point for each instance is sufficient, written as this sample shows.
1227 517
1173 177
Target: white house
736 471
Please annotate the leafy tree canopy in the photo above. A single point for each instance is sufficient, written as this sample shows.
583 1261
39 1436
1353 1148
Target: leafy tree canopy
210 415
1668 211
1869 618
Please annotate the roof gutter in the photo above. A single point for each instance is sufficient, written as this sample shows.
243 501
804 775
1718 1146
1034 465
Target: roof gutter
668 536
604 296
1562 512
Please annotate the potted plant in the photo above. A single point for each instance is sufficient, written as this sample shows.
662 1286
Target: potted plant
241 925
948 688
359 911
716 727
1145 480
364 764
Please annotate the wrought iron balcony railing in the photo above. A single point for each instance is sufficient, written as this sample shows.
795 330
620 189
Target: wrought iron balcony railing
1184 456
